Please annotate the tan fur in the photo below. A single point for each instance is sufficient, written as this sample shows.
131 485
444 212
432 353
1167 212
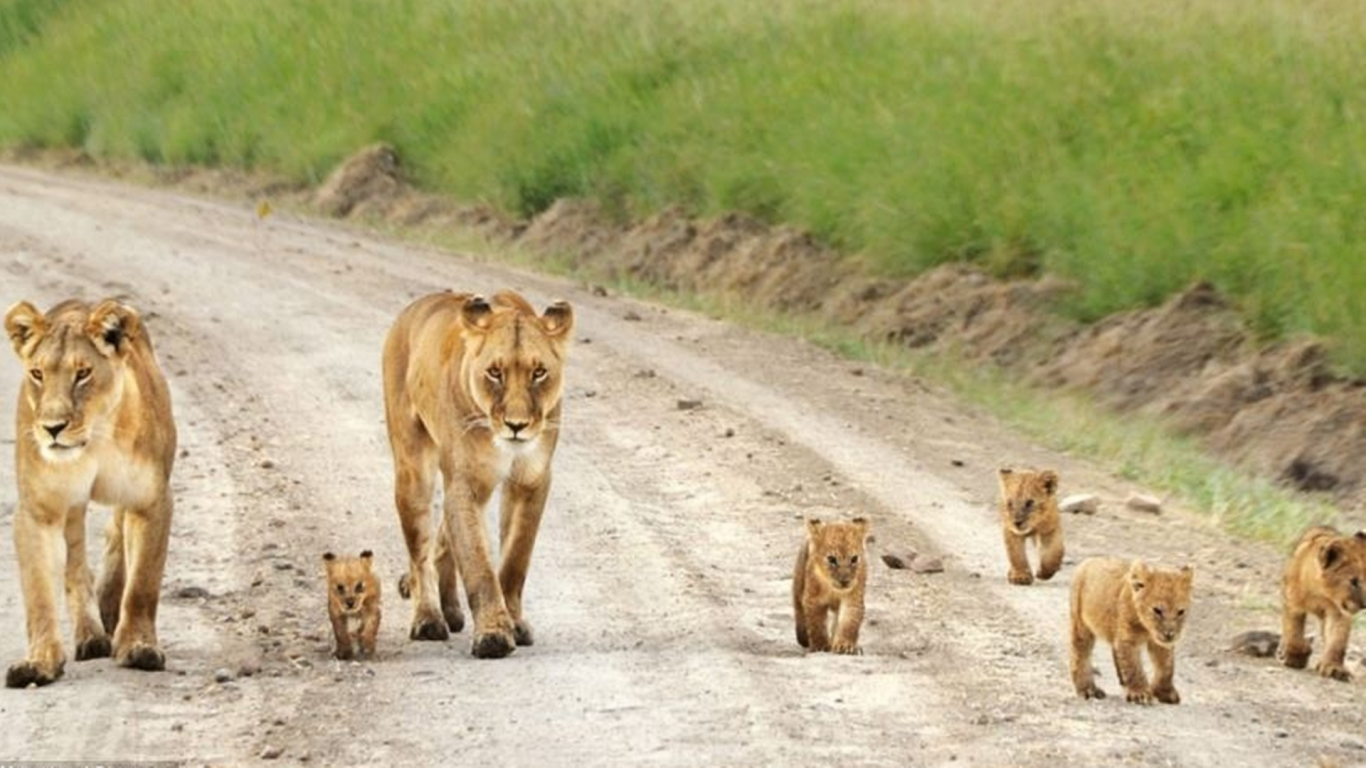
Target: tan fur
1130 606
1323 577
472 389
352 603
93 424
1029 510
828 585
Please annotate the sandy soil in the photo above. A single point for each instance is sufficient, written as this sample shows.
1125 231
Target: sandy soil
660 586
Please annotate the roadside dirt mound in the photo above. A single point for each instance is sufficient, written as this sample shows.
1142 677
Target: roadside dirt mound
1279 411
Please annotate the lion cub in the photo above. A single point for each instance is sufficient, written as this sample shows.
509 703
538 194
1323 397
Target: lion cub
1129 606
352 602
1323 577
1029 510
828 583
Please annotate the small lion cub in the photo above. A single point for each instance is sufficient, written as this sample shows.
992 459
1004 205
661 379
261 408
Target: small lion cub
1129 606
352 602
1323 577
1029 510
828 583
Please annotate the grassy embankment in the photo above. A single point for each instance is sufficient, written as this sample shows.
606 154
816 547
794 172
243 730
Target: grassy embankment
1133 147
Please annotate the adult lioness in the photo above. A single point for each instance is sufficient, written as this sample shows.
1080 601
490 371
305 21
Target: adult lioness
472 387
94 424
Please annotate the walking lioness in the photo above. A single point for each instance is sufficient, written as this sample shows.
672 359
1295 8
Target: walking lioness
94 424
472 388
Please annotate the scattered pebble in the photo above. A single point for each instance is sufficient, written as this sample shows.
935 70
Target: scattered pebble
730 432
685 404
222 675
271 753
1142 502
631 316
266 464
899 558
1080 504
957 462
1255 643
928 565
191 593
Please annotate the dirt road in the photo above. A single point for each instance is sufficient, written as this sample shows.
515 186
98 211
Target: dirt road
660 584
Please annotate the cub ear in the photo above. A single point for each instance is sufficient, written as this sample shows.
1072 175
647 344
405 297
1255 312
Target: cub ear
1329 554
813 525
1361 535
1006 476
23 322
1050 481
1138 575
1187 574
366 554
476 312
558 319
329 557
111 326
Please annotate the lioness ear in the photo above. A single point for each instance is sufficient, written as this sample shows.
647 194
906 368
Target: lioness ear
1328 554
111 326
476 312
1050 481
366 554
23 322
558 319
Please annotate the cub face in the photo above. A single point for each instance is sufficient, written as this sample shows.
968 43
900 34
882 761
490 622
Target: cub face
836 550
73 359
514 364
1161 598
1342 567
1026 496
350 581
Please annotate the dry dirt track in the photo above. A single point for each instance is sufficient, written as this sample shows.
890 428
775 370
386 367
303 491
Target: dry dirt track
659 589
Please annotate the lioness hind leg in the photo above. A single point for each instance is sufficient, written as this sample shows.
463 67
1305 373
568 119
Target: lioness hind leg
448 581
415 461
146 533
112 573
92 642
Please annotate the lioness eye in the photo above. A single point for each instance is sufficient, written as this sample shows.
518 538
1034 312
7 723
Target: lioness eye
82 375
832 560
539 374
494 373
36 374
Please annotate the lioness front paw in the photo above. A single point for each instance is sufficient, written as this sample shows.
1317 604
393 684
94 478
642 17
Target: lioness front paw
26 673
1167 695
429 629
846 648
521 632
1142 696
1047 573
1333 670
1023 578
139 655
493 645
1092 691
94 648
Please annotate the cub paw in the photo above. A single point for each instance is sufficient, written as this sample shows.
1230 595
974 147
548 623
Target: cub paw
1334 671
493 645
848 649
1141 696
344 654
1091 692
521 632
405 590
1023 579
141 656
1167 695
1046 574
26 673
429 629
1295 659
94 648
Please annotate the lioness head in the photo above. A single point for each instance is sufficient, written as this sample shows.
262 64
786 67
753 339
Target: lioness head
348 579
837 549
1026 494
514 363
1161 598
1342 565
74 359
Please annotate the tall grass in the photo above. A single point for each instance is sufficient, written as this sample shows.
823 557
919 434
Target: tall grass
1132 146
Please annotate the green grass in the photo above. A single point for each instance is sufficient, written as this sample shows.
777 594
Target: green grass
1133 147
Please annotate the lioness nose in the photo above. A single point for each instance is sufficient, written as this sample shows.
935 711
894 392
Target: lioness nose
56 428
516 426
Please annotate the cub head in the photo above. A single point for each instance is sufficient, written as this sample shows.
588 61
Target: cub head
74 359
1027 495
1342 568
349 580
514 363
836 550
1161 598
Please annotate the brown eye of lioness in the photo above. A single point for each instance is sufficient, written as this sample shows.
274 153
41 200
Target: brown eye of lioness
539 374
36 374
82 375
495 374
